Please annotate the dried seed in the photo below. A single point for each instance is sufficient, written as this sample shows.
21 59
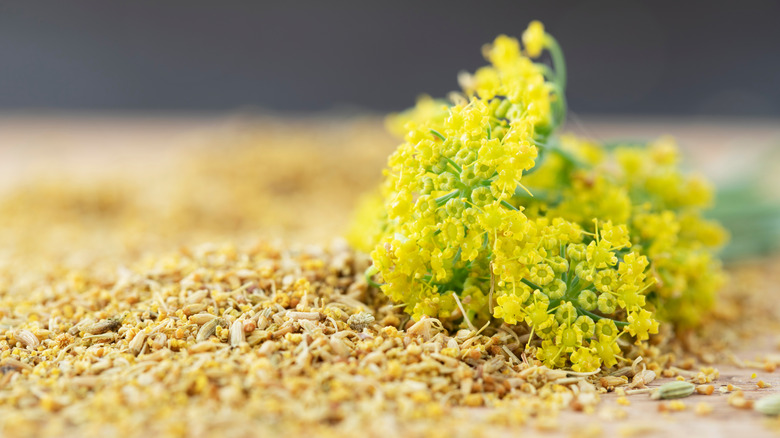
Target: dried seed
705 389
769 405
283 331
642 378
237 333
312 316
267 348
11 363
191 309
158 341
207 330
158 355
262 321
202 347
676 389
360 321
493 364
621 372
104 337
106 325
100 366
137 343
197 297
613 381
446 360
249 326
202 318
27 338
339 347
426 327
257 337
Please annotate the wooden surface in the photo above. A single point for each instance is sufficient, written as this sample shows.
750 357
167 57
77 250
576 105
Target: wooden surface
80 147
92 143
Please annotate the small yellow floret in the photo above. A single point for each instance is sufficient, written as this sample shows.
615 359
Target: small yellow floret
534 39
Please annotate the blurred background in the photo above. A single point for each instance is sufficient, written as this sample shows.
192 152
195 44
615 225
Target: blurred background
715 58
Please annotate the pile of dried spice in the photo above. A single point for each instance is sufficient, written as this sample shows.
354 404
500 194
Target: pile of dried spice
265 338
215 339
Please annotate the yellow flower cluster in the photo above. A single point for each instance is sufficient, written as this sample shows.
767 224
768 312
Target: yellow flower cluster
642 187
568 285
486 215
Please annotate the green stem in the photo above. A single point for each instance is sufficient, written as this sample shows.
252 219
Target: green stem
574 283
547 72
596 317
559 62
509 206
370 272
454 164
560 108
441 200
530 284
438 134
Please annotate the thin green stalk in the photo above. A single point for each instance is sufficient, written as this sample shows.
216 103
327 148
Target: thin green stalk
438 134
530 284
370 272
559 61
596 317
441 200
454 164
560 108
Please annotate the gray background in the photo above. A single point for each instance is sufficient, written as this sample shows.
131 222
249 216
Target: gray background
625 57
